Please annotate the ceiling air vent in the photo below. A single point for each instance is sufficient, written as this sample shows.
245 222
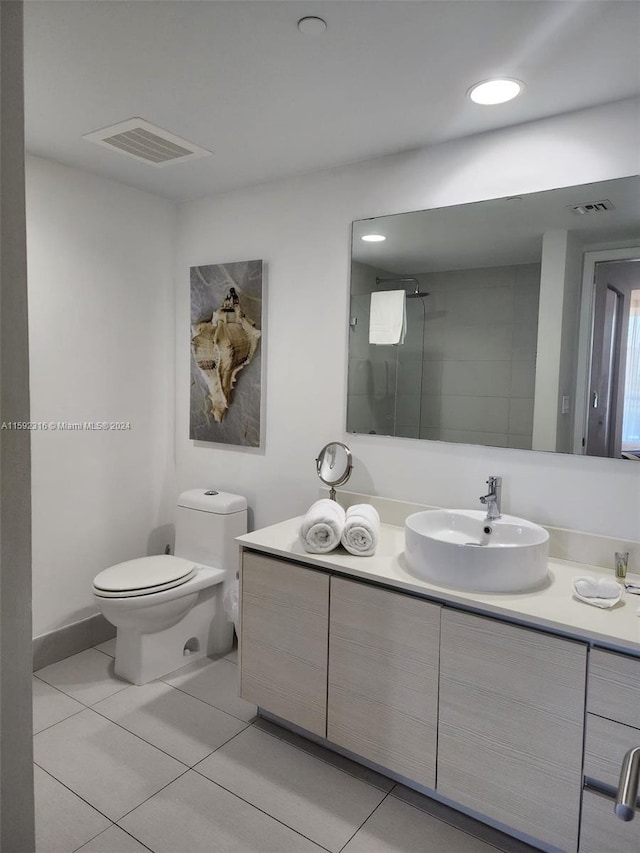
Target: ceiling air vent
592 207
144 141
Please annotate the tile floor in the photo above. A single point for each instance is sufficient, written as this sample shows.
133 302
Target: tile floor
183 765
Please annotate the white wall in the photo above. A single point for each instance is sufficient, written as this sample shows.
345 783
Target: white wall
100 259
301 229
549 348
571 309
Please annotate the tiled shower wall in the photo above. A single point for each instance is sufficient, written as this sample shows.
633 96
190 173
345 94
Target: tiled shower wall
466 370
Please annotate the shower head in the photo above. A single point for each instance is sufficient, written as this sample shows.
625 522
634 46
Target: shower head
416 293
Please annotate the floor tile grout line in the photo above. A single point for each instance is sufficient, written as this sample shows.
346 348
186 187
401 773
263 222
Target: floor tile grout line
160 749
198 699
139 737
227 741
122 829
106 830
282 737
75 849
450 823
350 773
68 717
126 685
262 811
209 703
233 737
422 811
368 817
150 797
75 793
81 701
102 651
257 808
55 687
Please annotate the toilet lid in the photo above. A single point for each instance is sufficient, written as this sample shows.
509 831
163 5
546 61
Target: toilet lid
144 575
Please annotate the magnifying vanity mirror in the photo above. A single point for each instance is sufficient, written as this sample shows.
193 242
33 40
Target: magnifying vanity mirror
334 465
522 322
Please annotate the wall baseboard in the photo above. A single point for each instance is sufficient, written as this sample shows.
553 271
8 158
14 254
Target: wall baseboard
63 642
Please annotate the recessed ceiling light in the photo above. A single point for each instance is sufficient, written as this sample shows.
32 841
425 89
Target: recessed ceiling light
495 91
312 26
373 238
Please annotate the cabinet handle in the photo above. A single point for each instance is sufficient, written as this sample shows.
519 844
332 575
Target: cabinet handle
628 786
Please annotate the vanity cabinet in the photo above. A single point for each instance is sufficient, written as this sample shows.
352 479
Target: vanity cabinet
613 728
383 678
511 725
486 713
284 625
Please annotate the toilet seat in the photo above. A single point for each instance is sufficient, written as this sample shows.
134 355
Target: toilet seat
143 576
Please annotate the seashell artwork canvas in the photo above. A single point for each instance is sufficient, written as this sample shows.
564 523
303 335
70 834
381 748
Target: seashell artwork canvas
226 331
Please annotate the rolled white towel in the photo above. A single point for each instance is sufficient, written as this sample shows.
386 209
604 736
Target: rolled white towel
361 530
601 592
322 526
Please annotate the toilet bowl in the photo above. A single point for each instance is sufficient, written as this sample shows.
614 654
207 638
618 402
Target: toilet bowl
167 609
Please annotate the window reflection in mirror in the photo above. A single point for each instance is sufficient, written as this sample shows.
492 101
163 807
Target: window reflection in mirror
631 402
500 350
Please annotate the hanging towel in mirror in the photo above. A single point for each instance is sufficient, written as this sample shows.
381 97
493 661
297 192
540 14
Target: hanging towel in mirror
387 317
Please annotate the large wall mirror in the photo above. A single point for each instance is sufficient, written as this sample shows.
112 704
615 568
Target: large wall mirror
517 325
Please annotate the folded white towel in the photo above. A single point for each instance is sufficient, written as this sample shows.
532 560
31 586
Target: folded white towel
361 530
600 592
387 317
322 526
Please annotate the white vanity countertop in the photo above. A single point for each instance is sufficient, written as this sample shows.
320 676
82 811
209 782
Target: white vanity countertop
554 607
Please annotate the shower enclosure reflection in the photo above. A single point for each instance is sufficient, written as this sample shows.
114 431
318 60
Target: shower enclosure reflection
500 350
464 350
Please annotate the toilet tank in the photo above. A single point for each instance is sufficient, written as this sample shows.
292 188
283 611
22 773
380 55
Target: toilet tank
207 522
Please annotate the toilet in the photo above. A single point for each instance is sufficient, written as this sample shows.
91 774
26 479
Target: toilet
168 609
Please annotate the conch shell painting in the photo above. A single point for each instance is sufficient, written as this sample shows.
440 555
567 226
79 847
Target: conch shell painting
221 348
226 302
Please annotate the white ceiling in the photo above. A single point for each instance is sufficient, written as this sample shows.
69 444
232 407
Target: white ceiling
498 231
240 80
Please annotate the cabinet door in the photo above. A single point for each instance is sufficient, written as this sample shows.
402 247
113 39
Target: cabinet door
511 725
283 639
383 678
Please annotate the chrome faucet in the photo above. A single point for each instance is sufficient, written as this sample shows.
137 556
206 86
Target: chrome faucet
493 498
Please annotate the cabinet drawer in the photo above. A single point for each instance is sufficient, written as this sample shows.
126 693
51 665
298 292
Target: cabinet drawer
284 627
601 831
614 687
605 747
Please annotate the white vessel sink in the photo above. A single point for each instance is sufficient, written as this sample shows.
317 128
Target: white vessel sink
462 549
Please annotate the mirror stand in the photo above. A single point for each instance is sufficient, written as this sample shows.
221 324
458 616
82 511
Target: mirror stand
334 465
